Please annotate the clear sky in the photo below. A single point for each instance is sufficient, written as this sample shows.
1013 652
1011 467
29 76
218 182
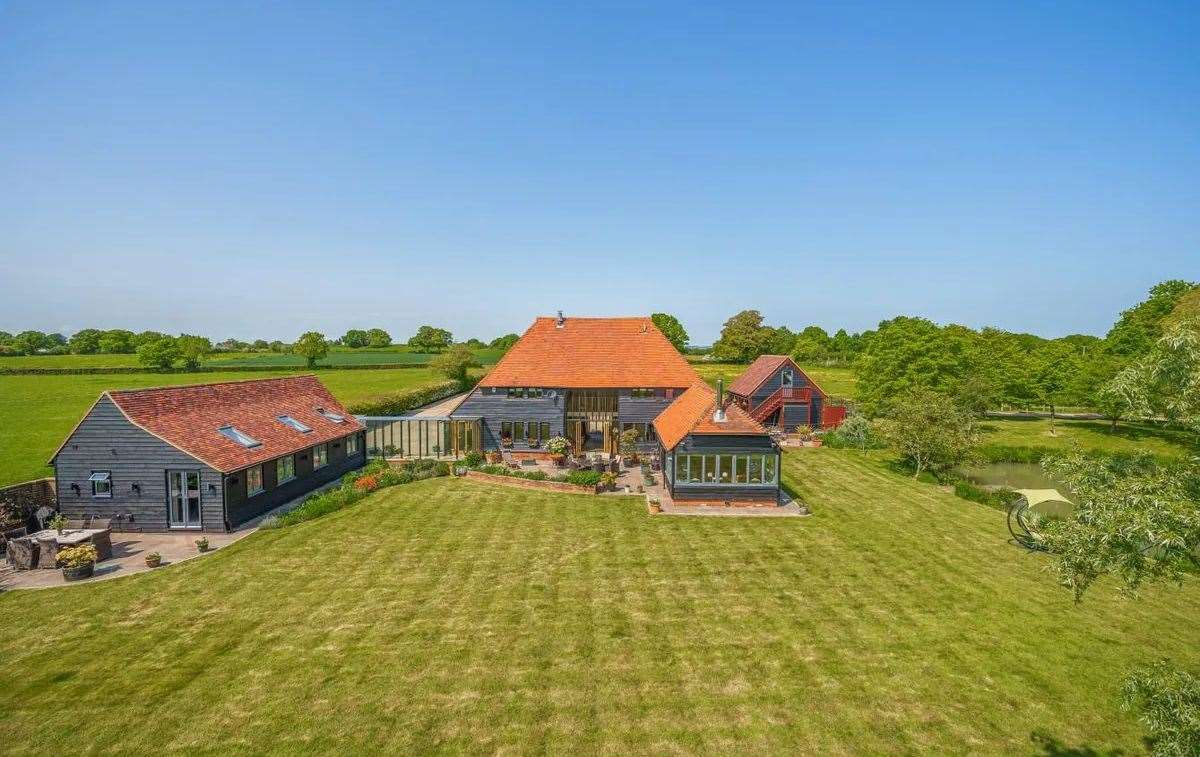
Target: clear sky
261 169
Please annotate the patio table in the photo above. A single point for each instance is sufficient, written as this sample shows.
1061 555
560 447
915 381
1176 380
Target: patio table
51 541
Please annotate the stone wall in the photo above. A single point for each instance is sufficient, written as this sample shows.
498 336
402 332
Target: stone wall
28 496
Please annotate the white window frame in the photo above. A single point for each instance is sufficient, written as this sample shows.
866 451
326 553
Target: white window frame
107 480
323 457
352 444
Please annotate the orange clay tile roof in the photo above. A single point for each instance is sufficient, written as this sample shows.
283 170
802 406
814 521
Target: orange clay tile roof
187 417
760 370
592 353
692 413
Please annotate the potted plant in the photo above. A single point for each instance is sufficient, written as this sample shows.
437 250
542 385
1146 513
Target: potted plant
58 522
655 505
153 560
77 562
608 481
506 441
558 446
202 544
628 445
495 457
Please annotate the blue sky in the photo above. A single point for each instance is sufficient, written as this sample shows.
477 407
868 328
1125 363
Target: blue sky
261 169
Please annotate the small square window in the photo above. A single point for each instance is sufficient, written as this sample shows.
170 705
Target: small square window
254 481
101 481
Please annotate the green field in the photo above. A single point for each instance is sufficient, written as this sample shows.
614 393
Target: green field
37 412
391 355
1088 435
837 382
466 617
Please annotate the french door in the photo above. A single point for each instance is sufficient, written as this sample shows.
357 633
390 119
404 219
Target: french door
183 498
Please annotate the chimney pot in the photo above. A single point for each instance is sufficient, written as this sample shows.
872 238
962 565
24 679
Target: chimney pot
559 321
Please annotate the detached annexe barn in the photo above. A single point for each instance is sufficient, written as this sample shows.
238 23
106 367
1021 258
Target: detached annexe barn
205 457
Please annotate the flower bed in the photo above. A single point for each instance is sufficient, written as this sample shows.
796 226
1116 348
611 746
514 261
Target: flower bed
358 484
529 482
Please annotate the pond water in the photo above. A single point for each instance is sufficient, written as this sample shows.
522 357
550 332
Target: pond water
1012 476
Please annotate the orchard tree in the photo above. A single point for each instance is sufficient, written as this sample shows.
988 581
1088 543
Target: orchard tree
430 339
378 338
159 353
930 430
193 350
355 338
857 431
1139 522
671 328
455 363
312 346
85 341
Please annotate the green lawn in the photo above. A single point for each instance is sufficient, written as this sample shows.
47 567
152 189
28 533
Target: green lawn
450 615
1088 435
37 412
837 382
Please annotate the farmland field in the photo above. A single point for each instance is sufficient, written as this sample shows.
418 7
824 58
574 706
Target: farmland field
897 619
338 356
1088 435
37 412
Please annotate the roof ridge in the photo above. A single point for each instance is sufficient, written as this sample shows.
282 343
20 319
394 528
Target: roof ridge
168 387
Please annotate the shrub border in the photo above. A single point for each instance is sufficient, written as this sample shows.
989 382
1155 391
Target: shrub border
528 483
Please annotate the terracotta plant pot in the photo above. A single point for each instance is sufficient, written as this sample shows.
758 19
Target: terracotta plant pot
79 572
153 562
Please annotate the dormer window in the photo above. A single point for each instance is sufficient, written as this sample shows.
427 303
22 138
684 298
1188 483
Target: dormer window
239 437
329 415
288 420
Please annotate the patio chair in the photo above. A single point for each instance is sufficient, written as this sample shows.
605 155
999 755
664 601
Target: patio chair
47 556
23 553
102 541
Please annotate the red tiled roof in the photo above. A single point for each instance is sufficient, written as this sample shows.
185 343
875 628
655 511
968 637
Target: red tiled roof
692 413
761 369
187 417
756 373
592 353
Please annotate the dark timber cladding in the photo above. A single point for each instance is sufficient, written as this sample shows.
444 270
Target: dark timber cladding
181 457
495 407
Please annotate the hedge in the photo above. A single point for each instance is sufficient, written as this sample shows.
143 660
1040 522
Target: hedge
356 485
124 369
398 403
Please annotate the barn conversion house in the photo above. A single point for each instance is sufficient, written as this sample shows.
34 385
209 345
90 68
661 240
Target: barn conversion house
591 379
206 457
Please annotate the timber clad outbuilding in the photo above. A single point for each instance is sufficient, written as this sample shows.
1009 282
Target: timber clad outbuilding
207 457
776 392
591 379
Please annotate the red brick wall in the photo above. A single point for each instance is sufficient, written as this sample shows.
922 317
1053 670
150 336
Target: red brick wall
524 483
30 495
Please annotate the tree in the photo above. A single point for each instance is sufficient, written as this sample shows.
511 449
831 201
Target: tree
430 339
1052 377
355 338
85 341
312 346
743 338
117 342
929 430
260 345
1140 327
671 328
160 353
504 342
278 346
476 343
907 354
1140 522
146 337
1169 702
56 340
455 363
1166 381
193 350
29 342
379 338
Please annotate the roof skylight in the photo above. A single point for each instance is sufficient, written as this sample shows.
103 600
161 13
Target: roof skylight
239 437
330 415
288 420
